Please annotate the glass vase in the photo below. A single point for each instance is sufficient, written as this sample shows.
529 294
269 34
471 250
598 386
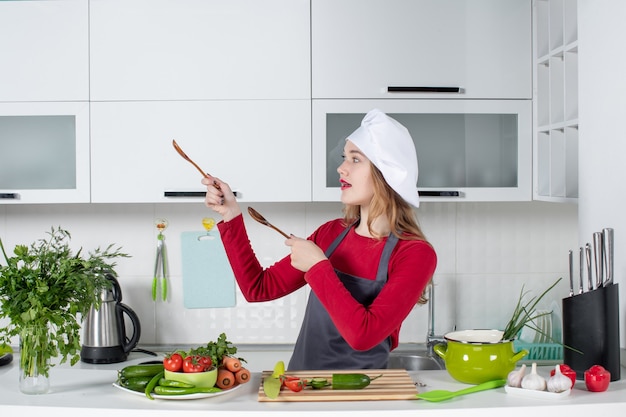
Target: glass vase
34 365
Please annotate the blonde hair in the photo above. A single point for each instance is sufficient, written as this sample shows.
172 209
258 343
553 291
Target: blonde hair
386 201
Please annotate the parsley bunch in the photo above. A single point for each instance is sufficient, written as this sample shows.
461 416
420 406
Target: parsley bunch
46 289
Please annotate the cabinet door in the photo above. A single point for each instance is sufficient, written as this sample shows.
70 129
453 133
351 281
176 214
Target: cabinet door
467 150
199 49
44 47
44 152
360 49
261 148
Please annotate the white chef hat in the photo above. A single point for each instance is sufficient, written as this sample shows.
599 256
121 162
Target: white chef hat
389 146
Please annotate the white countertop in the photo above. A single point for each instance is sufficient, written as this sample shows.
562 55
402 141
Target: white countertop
87 390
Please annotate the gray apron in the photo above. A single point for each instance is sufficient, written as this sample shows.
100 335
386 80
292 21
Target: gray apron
319 344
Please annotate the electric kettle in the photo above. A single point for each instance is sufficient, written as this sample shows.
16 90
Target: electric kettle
104 337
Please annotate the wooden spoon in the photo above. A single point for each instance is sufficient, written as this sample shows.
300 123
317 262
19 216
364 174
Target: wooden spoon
184 155
257 216
441 395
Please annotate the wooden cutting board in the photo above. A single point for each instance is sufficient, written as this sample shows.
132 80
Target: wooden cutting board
394 384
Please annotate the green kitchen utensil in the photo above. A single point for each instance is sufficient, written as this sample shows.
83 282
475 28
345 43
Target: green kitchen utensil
442 395
160 264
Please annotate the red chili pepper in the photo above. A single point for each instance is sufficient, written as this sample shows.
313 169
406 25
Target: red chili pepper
597 378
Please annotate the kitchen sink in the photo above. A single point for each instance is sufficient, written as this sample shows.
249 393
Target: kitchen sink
410 362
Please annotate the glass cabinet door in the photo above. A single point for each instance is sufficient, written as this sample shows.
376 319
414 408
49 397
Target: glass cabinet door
44 152
467 150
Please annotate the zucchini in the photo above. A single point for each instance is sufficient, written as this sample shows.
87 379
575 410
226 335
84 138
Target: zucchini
134 371
136 384
351 381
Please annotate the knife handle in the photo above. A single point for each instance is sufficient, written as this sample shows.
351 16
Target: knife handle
589 267
581 269
607 243
571 273
598 255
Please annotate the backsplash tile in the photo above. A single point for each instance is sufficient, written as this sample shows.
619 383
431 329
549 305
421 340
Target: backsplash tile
486 251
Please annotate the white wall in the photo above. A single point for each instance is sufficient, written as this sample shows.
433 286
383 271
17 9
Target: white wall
602 133
486 251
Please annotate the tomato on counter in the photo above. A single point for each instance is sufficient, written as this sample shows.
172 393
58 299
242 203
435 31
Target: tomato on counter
597 378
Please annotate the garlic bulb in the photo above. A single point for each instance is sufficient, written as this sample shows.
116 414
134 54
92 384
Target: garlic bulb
559 382
534 380
514 379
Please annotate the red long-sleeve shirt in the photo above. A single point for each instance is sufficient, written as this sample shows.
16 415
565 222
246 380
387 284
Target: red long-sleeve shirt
411 266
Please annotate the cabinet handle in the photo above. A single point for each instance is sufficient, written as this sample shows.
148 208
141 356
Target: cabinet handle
10 196
189 194
439 193
401 89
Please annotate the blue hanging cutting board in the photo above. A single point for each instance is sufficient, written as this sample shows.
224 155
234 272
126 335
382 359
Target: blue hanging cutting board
208 279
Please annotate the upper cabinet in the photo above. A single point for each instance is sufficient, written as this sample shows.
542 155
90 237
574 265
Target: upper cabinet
467 150
44 152
199 49
44 47
261 148
556 103
421 49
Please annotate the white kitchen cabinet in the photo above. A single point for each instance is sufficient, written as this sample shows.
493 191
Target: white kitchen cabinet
44 152
362 48
467 150
556 103
260 147
199 49
44 47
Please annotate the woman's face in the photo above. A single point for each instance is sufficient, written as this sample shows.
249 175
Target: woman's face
355 176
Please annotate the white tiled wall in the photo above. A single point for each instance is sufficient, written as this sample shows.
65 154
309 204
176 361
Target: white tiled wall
486 252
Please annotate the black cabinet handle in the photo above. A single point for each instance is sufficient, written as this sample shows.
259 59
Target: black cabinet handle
189 194
439 193
10 196
401 89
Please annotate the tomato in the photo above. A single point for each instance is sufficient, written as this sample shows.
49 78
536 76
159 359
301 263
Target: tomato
206 362
567 371
192 364
173 362
294 384
597 378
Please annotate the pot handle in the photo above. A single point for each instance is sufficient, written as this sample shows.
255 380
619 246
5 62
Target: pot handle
132 343
441 349
519 355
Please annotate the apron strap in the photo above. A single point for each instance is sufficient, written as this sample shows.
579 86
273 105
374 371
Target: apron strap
383 265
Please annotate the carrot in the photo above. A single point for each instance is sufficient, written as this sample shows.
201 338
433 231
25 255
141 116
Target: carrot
242 375
231 363
225 378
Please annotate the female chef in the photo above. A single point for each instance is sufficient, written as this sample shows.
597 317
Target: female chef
366 270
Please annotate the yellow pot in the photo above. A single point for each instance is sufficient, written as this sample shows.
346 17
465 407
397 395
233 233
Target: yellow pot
477 356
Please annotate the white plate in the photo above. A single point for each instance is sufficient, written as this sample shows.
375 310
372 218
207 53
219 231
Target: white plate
532 393
179 397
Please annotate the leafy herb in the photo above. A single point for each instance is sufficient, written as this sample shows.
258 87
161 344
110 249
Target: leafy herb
524 314
216 350
44 291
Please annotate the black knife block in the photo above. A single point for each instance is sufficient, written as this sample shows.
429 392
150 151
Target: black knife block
591 325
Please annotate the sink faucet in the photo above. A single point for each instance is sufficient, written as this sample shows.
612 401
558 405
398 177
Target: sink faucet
431 339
